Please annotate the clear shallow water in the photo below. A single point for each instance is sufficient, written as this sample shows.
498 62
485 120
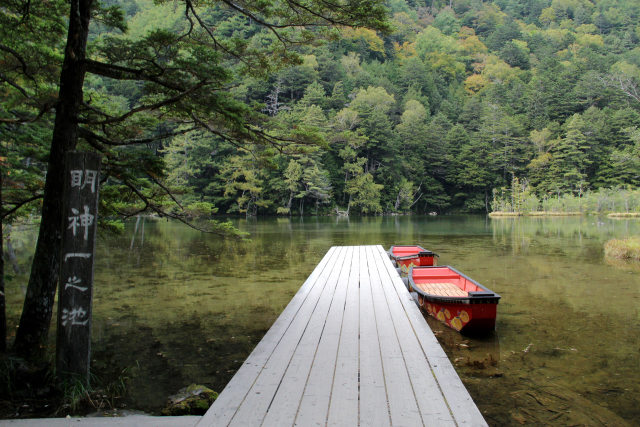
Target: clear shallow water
174 306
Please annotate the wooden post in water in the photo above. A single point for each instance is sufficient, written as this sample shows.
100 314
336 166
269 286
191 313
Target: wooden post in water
75 291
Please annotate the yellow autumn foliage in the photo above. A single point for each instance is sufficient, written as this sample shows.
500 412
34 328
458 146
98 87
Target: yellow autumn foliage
589 40
405 50
474 83
374 43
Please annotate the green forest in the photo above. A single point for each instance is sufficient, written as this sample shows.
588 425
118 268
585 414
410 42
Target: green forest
456 101
442 106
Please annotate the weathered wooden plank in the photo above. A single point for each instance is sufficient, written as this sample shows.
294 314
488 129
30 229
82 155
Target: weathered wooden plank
123 421
432 405
428 341
254 407
374 406
463 409
224 408
343 406
403 408
284 406
314 405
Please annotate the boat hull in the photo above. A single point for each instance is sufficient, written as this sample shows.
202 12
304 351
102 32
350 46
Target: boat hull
454 299
466 318
405 264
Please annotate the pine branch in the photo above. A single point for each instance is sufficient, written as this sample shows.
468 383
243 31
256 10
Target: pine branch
91 136
166 190
188 18
43 110
18 205
216 132
216 44
270 26
20 59
119 72
155 106
149 204
19 88
328 21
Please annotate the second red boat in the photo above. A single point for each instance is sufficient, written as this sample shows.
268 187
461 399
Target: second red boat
406 257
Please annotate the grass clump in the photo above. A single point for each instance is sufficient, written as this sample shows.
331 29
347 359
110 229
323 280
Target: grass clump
32 391
628 249
78 397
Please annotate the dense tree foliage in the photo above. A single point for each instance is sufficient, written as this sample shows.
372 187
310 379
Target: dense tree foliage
457 101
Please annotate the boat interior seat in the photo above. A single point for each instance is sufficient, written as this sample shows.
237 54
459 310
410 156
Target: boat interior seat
442 289
440 276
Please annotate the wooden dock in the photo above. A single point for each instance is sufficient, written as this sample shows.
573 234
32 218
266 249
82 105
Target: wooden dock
350 349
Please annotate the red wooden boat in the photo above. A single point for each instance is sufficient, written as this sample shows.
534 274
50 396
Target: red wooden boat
454 299
406 257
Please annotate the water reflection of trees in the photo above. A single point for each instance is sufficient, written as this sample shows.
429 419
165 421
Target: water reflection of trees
552 233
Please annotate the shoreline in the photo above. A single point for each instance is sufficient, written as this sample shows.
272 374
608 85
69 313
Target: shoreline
614 215
541 213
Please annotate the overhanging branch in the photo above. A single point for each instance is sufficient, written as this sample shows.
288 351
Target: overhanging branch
148 107
119 72
43 110
16 86
150 205
91 136
19 58
18 205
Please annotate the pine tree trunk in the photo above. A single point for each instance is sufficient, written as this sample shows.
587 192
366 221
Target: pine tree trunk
38 305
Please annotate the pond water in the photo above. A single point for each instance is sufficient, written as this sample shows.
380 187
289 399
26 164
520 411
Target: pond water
173 306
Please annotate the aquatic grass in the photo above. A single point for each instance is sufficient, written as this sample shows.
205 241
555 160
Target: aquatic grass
553 213
624 215
504 214
500 214
623 248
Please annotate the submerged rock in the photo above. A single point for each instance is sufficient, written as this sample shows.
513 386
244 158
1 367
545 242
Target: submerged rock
192 400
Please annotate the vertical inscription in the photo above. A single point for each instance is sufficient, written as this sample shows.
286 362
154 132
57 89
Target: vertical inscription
75 291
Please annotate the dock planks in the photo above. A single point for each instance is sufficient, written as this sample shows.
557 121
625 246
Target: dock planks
350 349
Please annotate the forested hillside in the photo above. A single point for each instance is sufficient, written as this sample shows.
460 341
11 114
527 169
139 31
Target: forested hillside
457 100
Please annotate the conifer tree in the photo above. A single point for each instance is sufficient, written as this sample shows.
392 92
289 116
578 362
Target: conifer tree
186 79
